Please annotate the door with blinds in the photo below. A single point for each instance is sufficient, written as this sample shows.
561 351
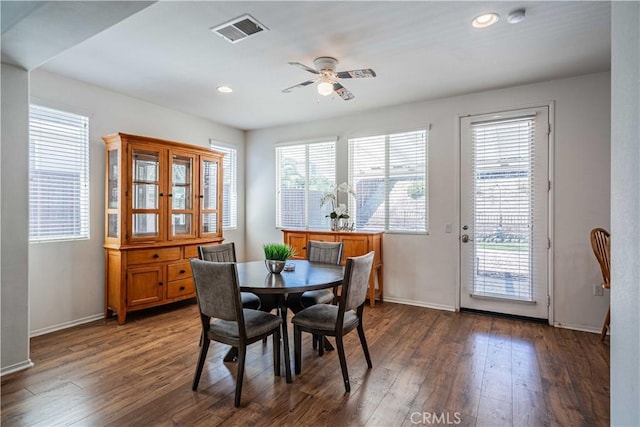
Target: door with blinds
504 200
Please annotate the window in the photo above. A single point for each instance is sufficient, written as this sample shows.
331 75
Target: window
304 173
229 185
58 175
389 176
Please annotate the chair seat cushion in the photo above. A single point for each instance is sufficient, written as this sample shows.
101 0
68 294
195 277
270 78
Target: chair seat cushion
250 300
256 322
322 296
323 317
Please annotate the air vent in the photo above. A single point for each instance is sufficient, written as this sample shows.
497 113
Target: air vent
239 28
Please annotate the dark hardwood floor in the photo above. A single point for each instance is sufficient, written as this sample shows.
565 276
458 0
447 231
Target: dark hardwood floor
429 367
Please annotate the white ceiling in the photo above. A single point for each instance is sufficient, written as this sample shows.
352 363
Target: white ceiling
420 50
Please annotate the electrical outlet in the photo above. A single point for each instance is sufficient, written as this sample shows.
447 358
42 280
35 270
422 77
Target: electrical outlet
597 290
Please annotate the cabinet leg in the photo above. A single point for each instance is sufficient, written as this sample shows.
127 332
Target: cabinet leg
372 290
122 317
380 276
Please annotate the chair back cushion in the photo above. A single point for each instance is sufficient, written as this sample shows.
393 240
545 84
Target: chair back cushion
217 289
224 252
325 252
356 281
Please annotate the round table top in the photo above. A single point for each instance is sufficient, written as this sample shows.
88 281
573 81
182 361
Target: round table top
307 276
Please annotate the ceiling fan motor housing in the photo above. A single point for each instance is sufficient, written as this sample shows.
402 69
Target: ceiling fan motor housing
325 63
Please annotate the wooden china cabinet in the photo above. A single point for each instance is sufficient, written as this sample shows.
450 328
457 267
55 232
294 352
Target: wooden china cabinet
354 244
163 199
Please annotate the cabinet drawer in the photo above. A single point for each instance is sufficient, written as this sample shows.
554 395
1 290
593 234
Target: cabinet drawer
180 288
179 271
191 251
153 255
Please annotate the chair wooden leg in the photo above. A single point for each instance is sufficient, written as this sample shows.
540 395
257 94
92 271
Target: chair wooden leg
276 353
297 346
315 341
365 348
204 348
320 345
343 363
605 326
242 352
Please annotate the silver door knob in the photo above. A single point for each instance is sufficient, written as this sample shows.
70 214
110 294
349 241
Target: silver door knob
465 238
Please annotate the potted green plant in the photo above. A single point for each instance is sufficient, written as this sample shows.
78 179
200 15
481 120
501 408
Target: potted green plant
276 254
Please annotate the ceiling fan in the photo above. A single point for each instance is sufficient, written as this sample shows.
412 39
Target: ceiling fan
327 77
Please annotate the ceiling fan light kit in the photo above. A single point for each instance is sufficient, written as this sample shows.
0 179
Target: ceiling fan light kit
327 77
325 88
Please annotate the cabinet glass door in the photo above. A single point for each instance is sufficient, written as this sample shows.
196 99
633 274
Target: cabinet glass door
113 192
209 203
181 196
146 193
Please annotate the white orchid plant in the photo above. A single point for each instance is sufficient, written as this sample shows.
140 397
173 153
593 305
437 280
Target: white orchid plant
338 210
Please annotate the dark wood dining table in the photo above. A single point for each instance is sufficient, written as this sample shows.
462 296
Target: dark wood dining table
306 276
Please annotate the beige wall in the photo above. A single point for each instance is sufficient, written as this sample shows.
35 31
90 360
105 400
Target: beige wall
422 269
625 214
14 215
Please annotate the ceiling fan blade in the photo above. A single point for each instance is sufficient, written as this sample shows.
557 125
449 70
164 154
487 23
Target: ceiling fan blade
343 92
304 67
307 83
356 74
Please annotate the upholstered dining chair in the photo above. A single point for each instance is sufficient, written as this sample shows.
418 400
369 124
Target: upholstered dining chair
218 297
323 252
226 252
337 321
601 249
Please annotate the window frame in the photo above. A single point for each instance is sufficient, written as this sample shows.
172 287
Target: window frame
230 152
38 111
353 201
307 206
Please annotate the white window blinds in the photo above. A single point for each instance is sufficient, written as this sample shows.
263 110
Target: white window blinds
304 173
58 175
230 185
389 176
503 163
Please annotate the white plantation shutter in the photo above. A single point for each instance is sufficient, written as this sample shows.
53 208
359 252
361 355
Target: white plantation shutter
389 176
58 175
229 185
304 173
505 215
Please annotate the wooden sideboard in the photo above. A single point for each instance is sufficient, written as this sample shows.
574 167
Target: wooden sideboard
354 244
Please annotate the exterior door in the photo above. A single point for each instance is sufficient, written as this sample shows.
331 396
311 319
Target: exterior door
504 192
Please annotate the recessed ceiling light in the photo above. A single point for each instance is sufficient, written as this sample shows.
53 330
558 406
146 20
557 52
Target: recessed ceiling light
225 89
485 20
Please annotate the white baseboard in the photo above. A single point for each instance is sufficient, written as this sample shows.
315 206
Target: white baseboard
581 328
16 367
420 304
65 325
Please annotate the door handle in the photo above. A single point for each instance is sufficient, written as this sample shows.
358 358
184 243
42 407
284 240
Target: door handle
465 238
